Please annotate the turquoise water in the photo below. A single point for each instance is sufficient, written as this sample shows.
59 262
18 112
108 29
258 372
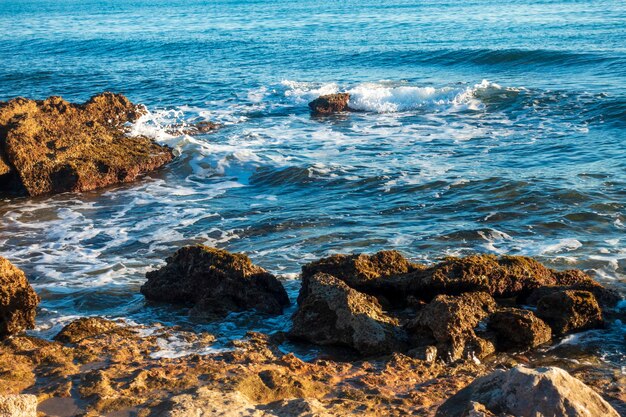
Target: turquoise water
486 127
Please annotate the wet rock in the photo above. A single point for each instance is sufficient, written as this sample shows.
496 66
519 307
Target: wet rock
54 146
18 300
606 297
373 274
518 329
215 282
523 391
505 276
329 104
449 322
332 313
24 405
570 311
192 129
86 327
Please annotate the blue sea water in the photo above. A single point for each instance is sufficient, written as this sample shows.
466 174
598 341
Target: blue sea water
486 126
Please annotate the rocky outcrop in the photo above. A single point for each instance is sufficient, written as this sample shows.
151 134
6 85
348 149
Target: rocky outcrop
523 391
570 311
215 282
332 313
372 274
54 146
329 104
449 322
86 327
24 405
18 300
518 329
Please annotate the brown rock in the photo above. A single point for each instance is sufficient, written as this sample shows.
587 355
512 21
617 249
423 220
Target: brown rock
332 313
449 321
373 274
18 300
523 391
329 104
85 327
518 329
53 146
570 311
215 281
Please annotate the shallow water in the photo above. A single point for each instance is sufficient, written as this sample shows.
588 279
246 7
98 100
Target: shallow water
485 127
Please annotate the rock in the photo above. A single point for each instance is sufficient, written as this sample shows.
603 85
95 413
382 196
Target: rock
53 146
85 327
215 282
372 274
506 276
570 311
449 321
606 297
198 128
332 313
523 391
329 104
18 300
424 353
24 405
518 329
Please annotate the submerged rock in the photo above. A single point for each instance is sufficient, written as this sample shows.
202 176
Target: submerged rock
523 391
449 322
24 405
518 329
570 311
18 300
329 104
332 313
54 146
215 282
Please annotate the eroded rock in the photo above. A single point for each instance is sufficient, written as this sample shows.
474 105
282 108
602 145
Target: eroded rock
24 405
518 329
523 391
54 146
450 321
570 311
332 313
86 327
329 104
215 282
18 300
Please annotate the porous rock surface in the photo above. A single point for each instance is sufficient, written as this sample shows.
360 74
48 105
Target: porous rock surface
332 313
53 146
522 391
449 322
329 104
18 300
21 405
570 311
518 329
215 282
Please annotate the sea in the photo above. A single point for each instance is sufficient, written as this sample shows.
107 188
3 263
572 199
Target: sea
483 127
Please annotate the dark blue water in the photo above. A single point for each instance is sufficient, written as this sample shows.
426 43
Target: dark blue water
487 126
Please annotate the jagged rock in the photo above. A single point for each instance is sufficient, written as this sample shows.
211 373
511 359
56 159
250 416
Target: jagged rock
215 281
449 322
24 405
373 274
329 104
18 300
192 129
424 353
569 311
85 327
518 329
332 313
523 391
606 297
53 146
